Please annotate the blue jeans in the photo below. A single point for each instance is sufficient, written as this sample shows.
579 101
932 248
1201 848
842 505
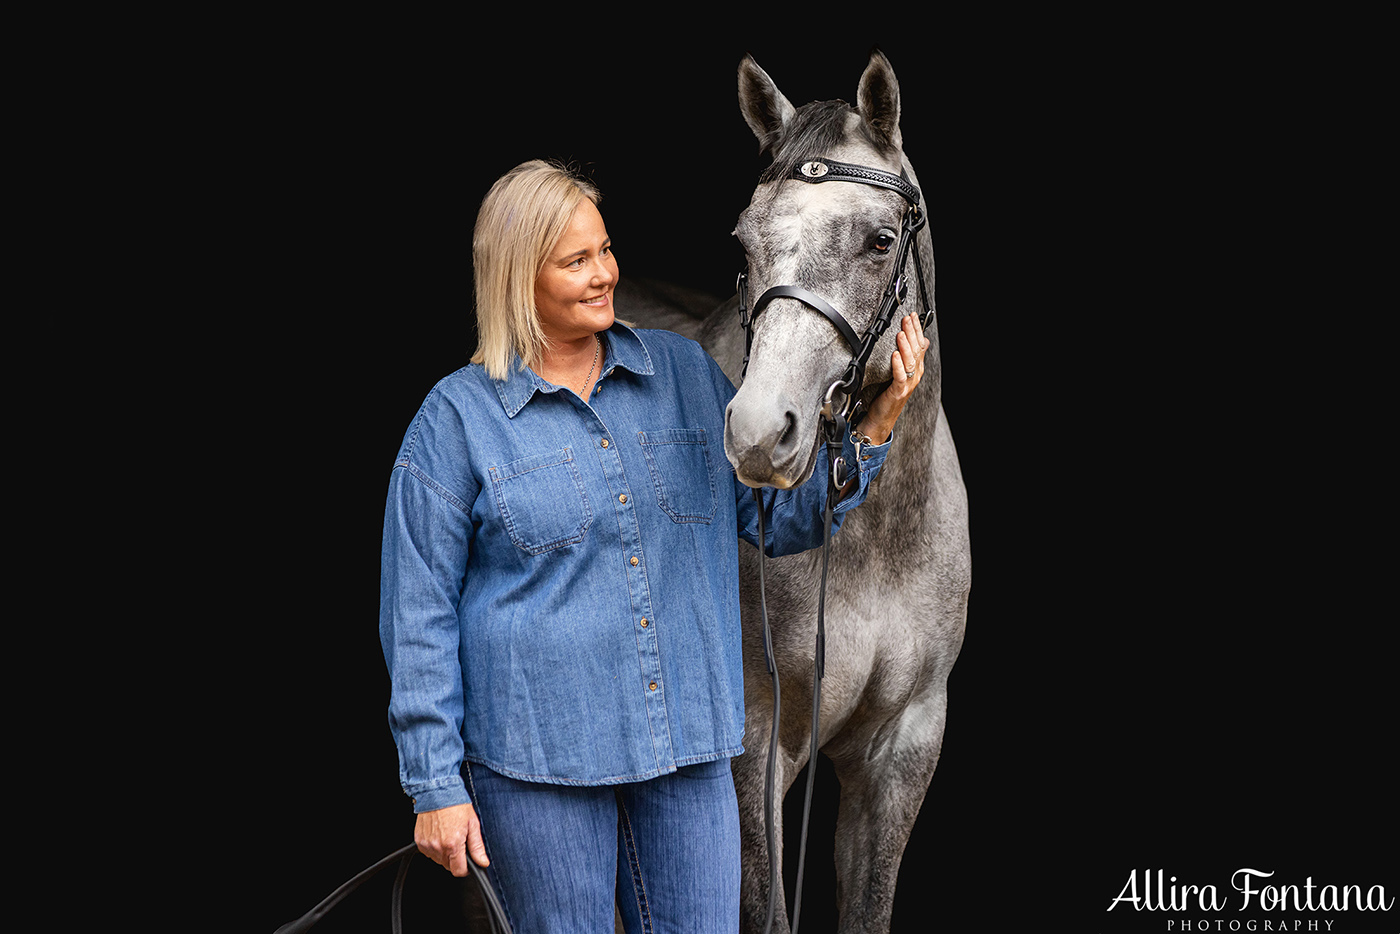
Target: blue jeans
665 850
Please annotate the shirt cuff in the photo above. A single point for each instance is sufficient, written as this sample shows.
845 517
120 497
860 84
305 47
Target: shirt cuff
444 793
867 464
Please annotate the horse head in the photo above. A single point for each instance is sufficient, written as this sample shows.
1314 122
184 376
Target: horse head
833 241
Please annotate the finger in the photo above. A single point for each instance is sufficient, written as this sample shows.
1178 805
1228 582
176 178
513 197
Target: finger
427 847
906 352
917 340
476 846
916 335
897 365
434 852
457 860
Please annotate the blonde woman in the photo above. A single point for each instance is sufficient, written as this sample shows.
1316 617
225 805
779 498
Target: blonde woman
559 592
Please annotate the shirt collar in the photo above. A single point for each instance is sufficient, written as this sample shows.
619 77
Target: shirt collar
624 348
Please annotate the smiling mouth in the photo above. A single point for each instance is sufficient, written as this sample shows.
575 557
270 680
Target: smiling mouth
597 301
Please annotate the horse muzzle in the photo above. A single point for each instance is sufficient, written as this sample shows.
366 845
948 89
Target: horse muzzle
767 442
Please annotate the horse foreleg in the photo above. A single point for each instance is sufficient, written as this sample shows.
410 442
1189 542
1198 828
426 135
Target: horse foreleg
881 794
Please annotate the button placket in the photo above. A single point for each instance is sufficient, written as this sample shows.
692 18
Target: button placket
648 648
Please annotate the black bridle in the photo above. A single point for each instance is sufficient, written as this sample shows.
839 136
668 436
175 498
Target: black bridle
839 405
815 171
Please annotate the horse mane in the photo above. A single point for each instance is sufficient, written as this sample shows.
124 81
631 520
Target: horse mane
813 132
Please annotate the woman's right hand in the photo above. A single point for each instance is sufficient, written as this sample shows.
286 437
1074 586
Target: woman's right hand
448 835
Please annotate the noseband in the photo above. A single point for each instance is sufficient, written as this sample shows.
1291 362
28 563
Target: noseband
816 171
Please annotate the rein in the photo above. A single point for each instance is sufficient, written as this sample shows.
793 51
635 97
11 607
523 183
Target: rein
839 406
403 857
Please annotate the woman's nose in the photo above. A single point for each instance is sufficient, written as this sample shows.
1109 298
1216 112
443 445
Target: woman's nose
604 271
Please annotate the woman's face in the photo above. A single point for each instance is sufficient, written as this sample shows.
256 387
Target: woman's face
573 292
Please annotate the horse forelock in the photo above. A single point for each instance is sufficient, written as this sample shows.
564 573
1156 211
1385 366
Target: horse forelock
816 130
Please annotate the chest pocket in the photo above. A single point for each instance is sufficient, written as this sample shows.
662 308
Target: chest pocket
542 501
679 460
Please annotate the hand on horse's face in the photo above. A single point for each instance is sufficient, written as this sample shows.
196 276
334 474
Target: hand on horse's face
907 364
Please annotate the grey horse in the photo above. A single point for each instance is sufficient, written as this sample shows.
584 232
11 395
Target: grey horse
900 568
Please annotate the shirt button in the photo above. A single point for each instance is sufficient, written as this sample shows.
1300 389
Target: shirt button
653 685
644 622
605 442
864 457
622 498
634 561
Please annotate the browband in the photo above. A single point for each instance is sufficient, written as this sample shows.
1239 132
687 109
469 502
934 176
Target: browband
824 170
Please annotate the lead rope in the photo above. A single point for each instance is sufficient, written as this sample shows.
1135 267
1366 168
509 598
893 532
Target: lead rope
834 424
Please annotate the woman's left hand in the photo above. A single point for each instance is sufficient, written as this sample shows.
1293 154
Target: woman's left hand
907 362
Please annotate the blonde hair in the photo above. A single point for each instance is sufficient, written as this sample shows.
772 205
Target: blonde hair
520 222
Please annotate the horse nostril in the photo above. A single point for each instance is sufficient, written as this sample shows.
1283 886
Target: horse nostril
788 436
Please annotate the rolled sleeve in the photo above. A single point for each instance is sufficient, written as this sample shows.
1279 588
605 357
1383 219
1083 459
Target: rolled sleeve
795 520
867 463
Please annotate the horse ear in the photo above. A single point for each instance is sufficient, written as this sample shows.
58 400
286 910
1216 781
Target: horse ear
878 100
764 107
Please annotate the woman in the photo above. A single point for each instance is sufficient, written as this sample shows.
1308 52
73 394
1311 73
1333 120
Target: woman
559 596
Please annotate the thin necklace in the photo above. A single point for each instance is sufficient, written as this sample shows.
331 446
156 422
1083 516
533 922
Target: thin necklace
597 346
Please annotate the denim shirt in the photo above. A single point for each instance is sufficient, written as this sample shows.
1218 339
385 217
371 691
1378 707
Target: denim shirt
559 597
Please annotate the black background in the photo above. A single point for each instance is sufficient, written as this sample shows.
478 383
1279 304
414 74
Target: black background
1174 657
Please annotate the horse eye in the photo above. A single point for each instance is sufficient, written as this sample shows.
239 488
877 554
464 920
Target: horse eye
883 241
